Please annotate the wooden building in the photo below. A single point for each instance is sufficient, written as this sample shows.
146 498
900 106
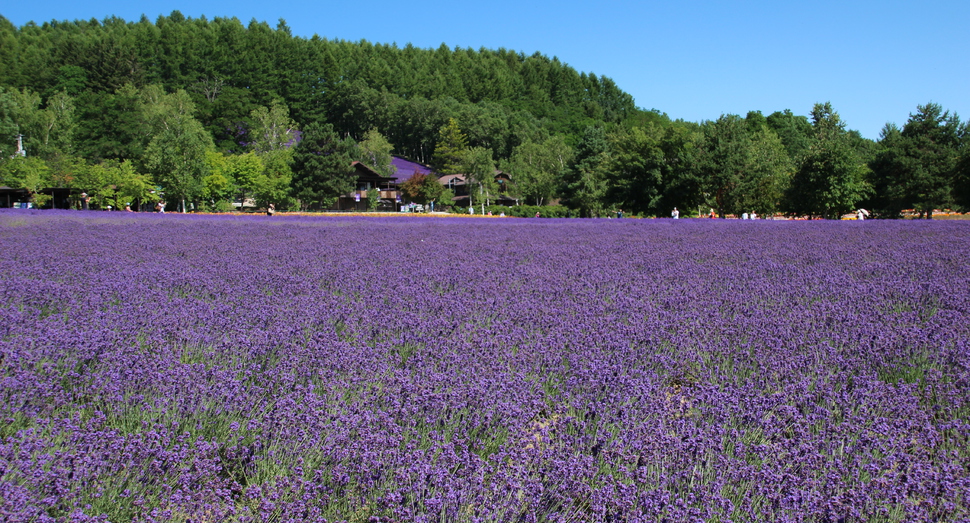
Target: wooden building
368 179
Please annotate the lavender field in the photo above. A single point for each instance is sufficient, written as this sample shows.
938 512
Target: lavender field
215 368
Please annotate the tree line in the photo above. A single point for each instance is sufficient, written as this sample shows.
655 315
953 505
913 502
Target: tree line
212 111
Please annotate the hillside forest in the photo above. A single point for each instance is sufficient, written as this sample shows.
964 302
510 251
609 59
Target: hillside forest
208 112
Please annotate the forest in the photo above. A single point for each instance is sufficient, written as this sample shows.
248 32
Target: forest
209 112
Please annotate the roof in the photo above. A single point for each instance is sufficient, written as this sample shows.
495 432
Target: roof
452 179
406 168
365 172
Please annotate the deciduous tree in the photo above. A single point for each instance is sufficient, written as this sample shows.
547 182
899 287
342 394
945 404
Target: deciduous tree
273 185
479 168
175 155
743 170
537 168
375 152
422 188
30 173
272 128
830 179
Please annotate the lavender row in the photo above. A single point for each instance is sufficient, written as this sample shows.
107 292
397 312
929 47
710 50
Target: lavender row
206 368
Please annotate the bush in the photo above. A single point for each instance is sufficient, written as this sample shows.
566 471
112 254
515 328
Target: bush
529 211
216 206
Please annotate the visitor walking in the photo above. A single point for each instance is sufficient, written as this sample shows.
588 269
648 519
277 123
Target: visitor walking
675 214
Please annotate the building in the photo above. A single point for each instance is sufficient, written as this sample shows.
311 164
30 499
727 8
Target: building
368 179
458 183
61 198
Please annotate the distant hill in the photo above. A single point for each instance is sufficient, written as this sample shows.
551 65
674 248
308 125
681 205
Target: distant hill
500 96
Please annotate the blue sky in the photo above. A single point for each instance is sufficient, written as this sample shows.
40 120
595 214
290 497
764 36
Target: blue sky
692 59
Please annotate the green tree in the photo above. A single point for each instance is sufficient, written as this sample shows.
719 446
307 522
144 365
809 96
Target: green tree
46 131
58 125
20 114
273 185
219 185
586 182
479 170
422 188
231 176
9 127
794 131
176 159
375 152
30 173
175 155
322 169
919 167
830 180
272 127
769 174
115 183
230 69
131 187
373 199
451 150
110 125
485 124
961 183
537 168
637 168
683 184
743 169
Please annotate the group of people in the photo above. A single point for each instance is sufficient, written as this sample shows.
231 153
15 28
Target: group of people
86 204
675 214
159 206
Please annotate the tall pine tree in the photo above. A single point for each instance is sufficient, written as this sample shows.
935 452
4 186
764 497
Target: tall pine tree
322 169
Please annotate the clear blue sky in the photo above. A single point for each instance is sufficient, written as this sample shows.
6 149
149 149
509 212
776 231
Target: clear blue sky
692 59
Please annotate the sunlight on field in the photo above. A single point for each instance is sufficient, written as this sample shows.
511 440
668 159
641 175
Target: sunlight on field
346 368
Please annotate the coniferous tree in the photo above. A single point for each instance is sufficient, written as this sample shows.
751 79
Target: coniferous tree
585 184
919 166
322 167
451 149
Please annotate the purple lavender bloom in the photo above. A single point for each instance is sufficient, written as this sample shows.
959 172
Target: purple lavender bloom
160 368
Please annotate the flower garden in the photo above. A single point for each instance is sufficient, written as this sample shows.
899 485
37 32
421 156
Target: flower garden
165 368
